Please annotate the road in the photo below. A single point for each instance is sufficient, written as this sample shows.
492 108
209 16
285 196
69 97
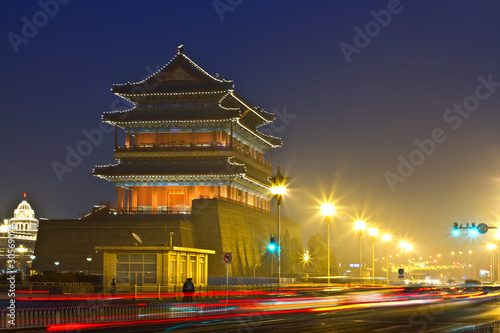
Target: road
436 317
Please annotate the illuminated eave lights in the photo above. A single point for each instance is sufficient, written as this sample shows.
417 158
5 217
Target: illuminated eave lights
249 107
179 53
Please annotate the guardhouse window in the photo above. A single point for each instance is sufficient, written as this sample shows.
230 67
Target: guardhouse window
136 269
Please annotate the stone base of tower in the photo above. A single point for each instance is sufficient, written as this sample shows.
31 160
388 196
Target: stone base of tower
214 224
226 226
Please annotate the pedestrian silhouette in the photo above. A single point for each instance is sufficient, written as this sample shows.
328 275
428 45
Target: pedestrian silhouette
188 290
113 287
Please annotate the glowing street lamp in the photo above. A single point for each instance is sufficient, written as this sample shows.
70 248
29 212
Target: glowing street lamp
278 190
373 234
89 260
387 238
328 210
306 257
360 226
405 246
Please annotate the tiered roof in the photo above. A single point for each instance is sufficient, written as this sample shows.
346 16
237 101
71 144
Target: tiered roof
183 80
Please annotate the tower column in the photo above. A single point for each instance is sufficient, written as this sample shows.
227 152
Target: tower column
118 199
191 193
134 198
154 199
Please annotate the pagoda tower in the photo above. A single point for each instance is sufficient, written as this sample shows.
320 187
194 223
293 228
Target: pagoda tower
188 136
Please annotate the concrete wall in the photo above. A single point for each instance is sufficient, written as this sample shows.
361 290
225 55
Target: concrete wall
219 225
226 226
71 241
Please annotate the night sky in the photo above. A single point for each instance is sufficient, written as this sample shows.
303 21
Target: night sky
354 101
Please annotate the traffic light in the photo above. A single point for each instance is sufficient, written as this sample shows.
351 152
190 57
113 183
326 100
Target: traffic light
456 230
473 230
272 244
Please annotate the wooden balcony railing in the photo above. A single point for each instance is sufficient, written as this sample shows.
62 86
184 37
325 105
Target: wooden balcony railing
173 147
188 147
159 211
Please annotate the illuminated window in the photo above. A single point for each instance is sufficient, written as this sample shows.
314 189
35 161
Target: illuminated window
136 269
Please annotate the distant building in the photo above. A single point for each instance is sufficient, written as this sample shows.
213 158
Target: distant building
23 228
192 164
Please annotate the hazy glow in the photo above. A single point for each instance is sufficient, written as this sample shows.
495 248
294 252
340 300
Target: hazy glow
491 246
373 232
279 190
405 246
359 225
386 237
328 209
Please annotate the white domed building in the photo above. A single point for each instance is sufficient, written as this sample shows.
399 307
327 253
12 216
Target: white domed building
23 228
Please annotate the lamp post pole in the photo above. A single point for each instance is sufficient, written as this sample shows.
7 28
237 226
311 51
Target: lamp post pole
497 236
492 247
89 260
387 239
492 267
328 210
373 260
278 201
278 190
328 250
360 256
373 233
387 262
360 226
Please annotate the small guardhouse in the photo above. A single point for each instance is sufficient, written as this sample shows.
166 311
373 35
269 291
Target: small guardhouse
153 265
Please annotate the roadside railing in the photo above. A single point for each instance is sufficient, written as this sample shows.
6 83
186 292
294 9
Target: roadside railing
201 292
493 327
40 317
52 288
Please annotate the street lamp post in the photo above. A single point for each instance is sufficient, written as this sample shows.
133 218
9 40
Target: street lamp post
21 249
360 226
373 234
491 247
407 247
469 266
278 190
497 236
328 210
89 260
387 239
272 247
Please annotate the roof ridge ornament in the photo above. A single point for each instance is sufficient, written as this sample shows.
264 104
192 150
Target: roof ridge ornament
180 49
